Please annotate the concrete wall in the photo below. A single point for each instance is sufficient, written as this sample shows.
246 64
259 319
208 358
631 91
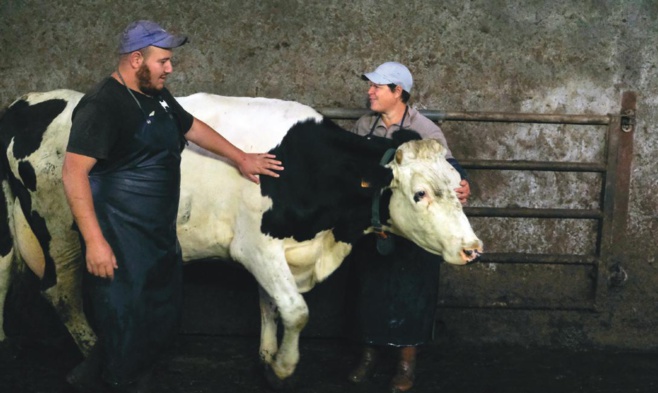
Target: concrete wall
481 55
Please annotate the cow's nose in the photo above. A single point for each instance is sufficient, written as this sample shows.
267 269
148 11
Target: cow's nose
472 256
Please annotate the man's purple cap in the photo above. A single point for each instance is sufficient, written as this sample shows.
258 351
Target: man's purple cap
143 33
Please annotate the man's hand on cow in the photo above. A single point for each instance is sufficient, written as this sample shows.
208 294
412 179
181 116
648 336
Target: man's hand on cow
101 261
463 192
259 164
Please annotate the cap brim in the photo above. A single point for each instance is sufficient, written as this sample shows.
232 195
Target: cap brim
171 42
375 78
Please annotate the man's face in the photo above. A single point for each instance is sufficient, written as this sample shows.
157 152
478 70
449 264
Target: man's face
153 71
381 97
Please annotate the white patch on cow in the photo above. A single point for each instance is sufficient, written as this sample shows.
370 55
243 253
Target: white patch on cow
312 261
27 243
239 118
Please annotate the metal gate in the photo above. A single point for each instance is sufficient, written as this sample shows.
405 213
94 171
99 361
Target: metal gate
605 264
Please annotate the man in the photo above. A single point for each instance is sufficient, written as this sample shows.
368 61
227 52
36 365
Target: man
396 293
121 176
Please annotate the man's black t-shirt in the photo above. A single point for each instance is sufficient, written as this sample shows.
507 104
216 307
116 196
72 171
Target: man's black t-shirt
107 117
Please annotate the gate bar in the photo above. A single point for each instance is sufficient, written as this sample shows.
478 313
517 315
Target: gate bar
553 259
519 165
506 117
524 212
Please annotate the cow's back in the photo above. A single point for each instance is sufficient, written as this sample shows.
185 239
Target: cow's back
254 124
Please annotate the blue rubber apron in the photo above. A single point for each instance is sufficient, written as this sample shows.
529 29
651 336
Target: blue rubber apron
138 312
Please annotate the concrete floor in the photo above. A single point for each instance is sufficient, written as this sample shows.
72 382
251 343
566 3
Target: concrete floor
39 353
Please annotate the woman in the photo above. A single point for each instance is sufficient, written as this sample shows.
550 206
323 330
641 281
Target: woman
396 293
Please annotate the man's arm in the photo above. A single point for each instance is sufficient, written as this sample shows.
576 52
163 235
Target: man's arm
100 258
249 164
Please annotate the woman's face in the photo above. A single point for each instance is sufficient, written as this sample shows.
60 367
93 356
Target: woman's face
381 98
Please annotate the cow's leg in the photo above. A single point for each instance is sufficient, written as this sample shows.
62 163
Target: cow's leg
66 297
270 269
7 249
5 271
264 257
268 321
294 315
293 312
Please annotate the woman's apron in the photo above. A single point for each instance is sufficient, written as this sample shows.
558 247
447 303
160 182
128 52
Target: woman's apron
396 294
137 313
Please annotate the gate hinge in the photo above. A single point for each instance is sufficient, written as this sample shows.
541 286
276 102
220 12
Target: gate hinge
628 120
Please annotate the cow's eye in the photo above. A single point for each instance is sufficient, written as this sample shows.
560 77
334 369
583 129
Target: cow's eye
419 195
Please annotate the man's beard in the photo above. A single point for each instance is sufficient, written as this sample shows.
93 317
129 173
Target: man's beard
144 78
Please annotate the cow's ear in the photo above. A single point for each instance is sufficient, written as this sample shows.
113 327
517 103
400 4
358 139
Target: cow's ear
376 178
399 155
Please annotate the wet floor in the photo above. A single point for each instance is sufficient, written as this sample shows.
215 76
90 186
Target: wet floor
203 364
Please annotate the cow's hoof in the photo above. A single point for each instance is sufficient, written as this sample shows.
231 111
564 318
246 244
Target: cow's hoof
275 382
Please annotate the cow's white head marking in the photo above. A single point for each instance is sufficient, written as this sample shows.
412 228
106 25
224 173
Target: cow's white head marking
424 206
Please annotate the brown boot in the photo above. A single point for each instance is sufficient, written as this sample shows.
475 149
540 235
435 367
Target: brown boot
404 379
365 367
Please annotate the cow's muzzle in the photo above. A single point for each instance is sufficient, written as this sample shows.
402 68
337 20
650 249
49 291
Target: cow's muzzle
470 255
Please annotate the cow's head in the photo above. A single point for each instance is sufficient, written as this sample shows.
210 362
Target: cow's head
424 207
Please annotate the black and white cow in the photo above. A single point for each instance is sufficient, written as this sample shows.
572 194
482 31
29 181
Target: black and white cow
290 233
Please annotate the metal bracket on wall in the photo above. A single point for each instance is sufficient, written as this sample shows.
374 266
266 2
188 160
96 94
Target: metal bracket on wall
613 244
628 120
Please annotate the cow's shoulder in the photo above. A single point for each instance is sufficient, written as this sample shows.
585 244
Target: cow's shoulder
329 178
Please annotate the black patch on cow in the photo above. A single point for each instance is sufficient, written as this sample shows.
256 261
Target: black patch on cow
321 186
26 172
27 123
